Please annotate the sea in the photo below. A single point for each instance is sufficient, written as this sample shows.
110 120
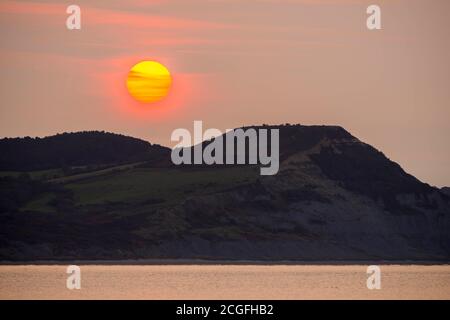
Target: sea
224 281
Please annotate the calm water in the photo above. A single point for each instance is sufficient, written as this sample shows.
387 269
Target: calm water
224 282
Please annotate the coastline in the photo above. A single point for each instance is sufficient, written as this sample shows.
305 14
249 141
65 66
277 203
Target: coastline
143 262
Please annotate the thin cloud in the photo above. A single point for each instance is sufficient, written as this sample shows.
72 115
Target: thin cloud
98 16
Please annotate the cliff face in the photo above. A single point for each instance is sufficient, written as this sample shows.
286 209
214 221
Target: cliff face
334 198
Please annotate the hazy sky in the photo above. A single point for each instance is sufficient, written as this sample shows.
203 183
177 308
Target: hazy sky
235 62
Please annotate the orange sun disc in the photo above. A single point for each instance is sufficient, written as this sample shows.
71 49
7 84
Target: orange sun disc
149 81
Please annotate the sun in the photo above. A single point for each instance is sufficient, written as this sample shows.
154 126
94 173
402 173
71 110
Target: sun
149 81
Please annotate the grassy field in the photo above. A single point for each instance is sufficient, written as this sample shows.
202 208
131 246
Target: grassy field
95 173
41 203
133 185
141 184
39 174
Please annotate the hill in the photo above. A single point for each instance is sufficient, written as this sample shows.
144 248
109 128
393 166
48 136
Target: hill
334 198
88 148
446 190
